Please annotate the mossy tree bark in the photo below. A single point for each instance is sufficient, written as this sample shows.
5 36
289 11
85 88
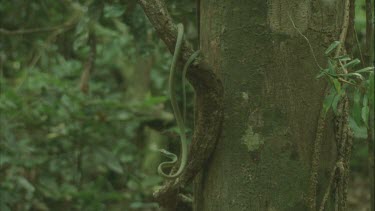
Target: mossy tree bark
272 102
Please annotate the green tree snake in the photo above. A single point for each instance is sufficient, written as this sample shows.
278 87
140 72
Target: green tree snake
176 110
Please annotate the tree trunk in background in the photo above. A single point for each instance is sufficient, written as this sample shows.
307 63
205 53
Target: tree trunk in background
272 102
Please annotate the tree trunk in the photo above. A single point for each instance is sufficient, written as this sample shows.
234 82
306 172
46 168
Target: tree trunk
272 102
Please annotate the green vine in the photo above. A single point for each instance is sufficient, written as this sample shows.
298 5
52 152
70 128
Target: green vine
344 79
347 88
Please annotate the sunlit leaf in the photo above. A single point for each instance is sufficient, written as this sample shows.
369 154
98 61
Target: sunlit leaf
328 100
23 182
336 84
355 74
322 73
352 63
332 47
343 58
366 69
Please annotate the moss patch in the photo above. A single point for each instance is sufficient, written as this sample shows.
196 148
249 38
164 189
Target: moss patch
252 140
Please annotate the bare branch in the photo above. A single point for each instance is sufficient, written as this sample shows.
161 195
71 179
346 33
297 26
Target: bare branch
34 30
89 65
160 18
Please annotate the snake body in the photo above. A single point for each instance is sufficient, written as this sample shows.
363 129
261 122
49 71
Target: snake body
176 110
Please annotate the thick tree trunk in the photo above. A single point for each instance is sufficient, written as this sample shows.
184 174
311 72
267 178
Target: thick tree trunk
272 101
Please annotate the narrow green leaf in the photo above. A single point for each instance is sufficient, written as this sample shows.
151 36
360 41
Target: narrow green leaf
25 184
332 47
358 131
331 66
366 69
355 74
328 100
336 84
365 114
365 100
113 11
352 63
320 74
343 58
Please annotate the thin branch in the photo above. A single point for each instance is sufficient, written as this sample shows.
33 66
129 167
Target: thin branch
328 190
34 30
359 47
313 181
160 18
89 65
58 30
307 40
344 30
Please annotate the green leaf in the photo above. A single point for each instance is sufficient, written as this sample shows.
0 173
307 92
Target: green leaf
336 84
113 11
154 100
23 182
366 69
332 47
331 67
358 132
365 114
352 63
322 73
355 74
328 100
365 100
110 160
343 58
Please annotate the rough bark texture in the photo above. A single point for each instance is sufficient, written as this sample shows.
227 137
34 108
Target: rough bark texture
208 105
271 102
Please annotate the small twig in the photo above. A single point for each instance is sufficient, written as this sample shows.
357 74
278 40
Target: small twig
344 29
34 30
359 47
56 31
345 81
89 65
328 190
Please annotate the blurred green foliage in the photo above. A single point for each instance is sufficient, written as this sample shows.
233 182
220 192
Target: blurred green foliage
62 149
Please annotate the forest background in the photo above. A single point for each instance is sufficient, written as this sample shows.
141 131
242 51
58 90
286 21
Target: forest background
84 105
